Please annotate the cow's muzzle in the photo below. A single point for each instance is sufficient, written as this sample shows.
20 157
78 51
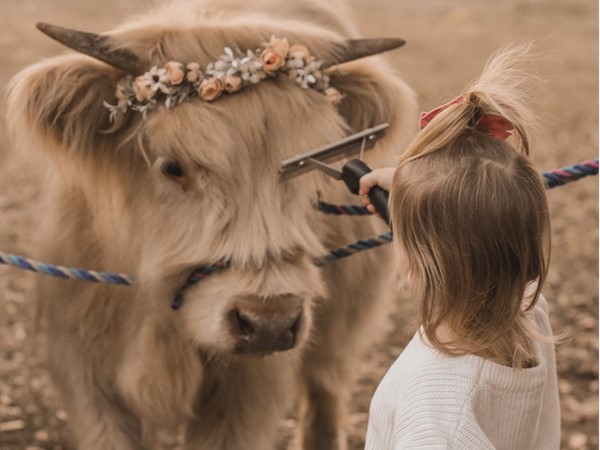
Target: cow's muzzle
266 324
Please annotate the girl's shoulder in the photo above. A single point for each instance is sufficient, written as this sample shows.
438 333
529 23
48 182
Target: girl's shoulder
541 315
426 393
423 371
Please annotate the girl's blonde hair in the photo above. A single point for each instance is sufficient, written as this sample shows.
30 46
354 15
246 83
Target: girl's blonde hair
470 212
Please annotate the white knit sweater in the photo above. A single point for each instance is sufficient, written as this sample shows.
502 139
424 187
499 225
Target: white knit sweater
428 400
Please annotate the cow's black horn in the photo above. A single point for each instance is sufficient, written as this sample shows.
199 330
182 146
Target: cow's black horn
95 45
359 48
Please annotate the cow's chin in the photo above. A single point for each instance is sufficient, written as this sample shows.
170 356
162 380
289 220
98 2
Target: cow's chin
246 325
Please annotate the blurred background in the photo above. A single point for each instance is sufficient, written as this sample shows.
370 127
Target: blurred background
448 44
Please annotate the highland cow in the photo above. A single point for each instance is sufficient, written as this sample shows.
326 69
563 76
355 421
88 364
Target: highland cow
158 191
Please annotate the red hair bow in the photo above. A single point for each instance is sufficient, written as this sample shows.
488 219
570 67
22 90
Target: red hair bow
494 124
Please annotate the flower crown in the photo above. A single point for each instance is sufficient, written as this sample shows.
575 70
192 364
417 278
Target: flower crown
175 82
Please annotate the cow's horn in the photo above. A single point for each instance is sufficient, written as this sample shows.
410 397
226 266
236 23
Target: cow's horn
359 48
94 45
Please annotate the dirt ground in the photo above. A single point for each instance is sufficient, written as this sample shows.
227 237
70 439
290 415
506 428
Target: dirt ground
448 43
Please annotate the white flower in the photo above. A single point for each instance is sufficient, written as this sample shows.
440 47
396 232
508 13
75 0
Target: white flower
228 54
250 68
256 77
156 79
220 68
294 62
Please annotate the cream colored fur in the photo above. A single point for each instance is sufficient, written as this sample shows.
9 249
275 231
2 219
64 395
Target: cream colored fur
126 363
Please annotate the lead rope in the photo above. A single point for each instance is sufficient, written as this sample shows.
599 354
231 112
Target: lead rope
552 179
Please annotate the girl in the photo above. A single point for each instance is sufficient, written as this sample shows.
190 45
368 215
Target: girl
471 236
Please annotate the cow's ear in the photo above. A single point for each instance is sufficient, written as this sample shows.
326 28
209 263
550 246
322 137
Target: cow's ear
372 94
60 101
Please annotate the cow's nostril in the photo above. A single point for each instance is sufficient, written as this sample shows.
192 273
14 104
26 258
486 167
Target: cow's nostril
244 326
266 327
293 331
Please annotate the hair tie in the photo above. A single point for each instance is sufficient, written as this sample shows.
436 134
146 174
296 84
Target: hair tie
495 125
427 117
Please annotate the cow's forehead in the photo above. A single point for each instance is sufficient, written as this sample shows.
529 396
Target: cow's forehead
268 122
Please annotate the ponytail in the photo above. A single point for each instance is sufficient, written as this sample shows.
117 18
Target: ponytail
500 93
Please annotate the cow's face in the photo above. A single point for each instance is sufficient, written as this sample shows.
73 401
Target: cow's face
199 183
212 192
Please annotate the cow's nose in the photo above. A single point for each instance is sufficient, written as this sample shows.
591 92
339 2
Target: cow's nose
267 324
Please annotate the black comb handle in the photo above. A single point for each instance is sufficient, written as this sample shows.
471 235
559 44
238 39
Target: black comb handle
352 171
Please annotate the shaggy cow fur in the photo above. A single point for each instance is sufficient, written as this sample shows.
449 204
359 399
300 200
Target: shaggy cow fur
124 362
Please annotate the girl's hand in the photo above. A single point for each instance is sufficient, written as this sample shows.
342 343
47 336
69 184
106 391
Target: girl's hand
381 177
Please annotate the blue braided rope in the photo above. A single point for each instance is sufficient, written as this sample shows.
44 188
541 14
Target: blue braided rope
64 272
202 272
554 178
358 246
337 210
564 175
364 244
198 275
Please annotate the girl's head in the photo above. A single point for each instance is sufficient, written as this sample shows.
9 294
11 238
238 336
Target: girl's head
471 220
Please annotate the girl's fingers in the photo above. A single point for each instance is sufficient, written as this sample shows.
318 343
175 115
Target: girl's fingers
366 183
382 177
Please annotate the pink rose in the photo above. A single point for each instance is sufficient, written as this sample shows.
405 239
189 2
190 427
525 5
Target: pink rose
274 54
271 61
279 46
299 51
232 83
210 89
194 72
143 90
175 72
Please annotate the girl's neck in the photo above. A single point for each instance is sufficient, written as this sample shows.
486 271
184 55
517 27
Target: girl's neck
446 336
